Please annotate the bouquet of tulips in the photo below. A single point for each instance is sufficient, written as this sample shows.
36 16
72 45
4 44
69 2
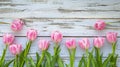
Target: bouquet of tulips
91 58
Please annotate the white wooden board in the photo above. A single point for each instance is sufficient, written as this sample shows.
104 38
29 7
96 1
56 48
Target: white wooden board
74 18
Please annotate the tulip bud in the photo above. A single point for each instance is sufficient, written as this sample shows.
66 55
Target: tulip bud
100 25
98 42
84 43
15 49
56 36
17 25
111 37
32 34
8 39
71 44
43 44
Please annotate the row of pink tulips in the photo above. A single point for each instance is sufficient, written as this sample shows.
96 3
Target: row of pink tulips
56 37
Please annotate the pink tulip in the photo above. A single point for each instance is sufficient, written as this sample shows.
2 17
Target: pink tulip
15 49
111 37
56 36
17 25
43 44
98 42
32 34
84 43
100 25
71 44
8 39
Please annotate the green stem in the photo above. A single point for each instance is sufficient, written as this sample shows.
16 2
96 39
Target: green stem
3 55
56 49
26 51
88 60
108 22
99 57
98 50
27 48
72 57
41 59
113 48
16 61
56 54
113 62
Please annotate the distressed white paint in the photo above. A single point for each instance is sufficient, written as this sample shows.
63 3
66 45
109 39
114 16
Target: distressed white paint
74 18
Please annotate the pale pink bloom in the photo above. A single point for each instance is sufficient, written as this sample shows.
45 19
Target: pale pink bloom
17 25
71 44
43 44
84 43
56 36
98 42
8 39
32 34
15 49
111 37
100 25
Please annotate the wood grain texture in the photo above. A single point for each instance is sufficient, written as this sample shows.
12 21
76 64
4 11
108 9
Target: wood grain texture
75 9
81 27
74 18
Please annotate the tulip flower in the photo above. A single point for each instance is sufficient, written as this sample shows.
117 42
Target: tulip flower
71 45
84 43
100 25
98 42
32 34
43 45
8 40
15 49
17 25
56 37
112 38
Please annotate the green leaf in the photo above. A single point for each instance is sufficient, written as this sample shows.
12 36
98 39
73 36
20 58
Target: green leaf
38 57
48 58
92 59
66 65
32 62
98 57
2 59
8 63
81 62
60 62
85 62
56 55
24 54
107 61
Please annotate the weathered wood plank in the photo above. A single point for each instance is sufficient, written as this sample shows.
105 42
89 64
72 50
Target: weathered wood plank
69 27
86 9
106 49
73 6
59 14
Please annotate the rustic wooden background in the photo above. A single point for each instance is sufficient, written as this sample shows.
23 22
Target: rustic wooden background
74 18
